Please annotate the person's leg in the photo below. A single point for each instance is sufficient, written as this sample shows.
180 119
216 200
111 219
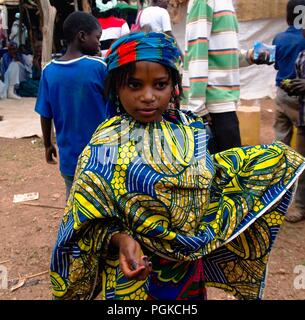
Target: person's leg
3 90
12 78
286 116
225 127
286 112
211 143
297 212
300 195
283 127
68 182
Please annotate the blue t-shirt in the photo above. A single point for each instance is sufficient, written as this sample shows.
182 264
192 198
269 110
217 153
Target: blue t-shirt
71 93
288 46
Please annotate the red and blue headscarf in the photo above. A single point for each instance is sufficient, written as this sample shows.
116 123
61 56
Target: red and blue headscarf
141 46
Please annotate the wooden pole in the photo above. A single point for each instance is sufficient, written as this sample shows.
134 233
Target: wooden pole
86 6
76 5
20 21
32 40
48 14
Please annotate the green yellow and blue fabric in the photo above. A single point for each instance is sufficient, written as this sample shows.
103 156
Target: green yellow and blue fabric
202 220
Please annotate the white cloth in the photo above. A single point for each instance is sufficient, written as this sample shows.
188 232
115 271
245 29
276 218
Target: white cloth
26 69
4 17
106 6
115 32
157 18
3 90
11 78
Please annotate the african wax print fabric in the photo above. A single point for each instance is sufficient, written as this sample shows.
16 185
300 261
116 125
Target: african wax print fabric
202 220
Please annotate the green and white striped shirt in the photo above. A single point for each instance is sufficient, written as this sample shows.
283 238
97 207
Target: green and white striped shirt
211 79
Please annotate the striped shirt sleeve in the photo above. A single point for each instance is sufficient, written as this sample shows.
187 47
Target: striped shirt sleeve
195 73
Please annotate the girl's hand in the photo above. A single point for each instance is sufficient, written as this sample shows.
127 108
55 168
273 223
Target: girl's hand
134 265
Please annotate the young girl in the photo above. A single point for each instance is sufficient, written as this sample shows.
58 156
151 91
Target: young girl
151 215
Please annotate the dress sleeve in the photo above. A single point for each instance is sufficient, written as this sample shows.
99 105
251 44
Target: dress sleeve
83 243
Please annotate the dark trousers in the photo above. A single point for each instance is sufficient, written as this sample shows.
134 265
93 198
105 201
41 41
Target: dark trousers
286 117
225 132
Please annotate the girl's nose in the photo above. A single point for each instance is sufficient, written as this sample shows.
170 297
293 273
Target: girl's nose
148 96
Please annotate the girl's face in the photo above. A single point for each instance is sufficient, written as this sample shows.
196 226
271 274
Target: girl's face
147 92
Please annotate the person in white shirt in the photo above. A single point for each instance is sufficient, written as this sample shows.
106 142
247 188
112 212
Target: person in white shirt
156 17
16 30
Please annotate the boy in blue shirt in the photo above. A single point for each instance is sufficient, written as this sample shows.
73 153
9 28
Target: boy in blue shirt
288 46
296 87
71 93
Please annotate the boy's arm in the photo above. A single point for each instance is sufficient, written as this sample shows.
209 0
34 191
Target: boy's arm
246 58
50 150
43 107
276 66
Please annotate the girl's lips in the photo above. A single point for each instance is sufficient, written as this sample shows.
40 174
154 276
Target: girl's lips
148 111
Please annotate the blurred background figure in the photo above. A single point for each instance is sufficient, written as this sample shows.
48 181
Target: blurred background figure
156 17
13 70
112 27
18 35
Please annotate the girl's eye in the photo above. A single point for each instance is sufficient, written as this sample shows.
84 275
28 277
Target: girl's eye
161 85
134 85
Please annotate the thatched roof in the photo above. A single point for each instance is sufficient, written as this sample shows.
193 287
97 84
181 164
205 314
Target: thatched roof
251 10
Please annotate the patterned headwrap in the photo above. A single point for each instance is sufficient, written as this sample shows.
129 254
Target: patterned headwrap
141 46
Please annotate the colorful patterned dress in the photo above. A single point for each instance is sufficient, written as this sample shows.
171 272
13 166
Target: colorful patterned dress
203 221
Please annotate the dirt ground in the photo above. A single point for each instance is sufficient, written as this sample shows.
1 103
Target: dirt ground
28 232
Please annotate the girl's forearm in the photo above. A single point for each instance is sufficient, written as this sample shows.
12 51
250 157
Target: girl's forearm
119 238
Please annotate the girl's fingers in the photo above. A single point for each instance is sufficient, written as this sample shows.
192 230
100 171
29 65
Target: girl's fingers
135 271
145 260
137 274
